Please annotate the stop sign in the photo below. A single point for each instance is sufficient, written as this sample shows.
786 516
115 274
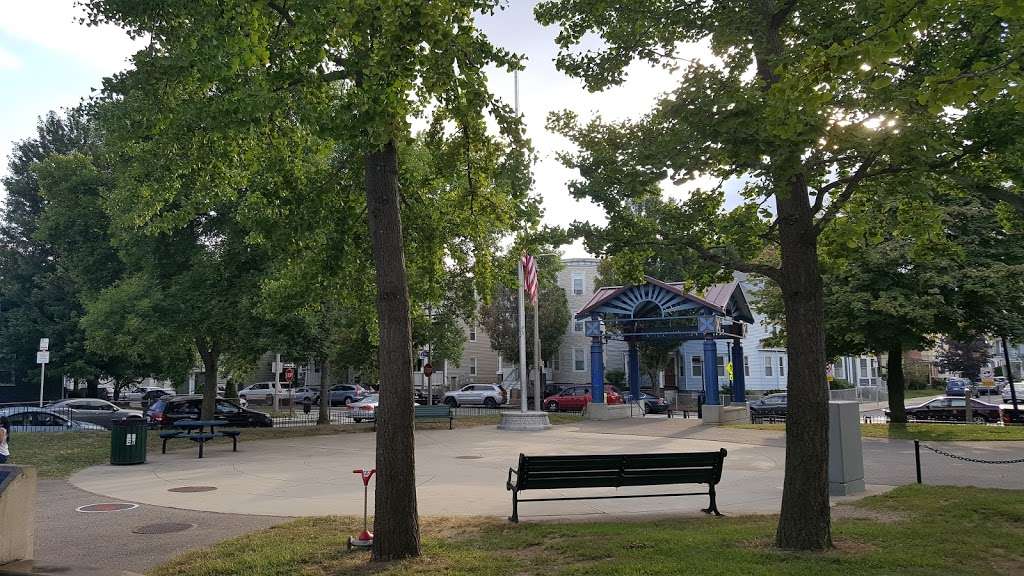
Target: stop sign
289 374
428 369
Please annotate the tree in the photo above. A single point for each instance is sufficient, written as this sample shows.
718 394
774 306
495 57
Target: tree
500 319
353 72
840 97
965 357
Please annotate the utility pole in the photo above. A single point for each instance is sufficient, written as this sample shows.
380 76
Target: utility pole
1009 378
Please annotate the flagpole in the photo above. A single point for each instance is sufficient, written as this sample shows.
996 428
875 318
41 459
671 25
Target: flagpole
523 368
537 361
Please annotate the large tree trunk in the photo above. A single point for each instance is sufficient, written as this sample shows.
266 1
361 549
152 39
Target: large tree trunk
395 520
804 523
209 351
895 383
325 394
92 387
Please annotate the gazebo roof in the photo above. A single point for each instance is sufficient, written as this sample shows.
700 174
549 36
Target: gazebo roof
726 299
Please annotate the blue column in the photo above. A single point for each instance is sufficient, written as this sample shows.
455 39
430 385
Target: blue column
711 372
739 377
634 371
596 367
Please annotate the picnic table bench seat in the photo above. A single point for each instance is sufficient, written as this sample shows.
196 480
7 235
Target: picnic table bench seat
169 435
614 471
201 439
233 434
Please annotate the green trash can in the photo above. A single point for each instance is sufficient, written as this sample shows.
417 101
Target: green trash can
128 441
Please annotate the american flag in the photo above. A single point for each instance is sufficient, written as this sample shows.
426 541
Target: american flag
530 277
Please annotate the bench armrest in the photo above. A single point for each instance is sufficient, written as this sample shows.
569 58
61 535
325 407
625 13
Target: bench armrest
508 483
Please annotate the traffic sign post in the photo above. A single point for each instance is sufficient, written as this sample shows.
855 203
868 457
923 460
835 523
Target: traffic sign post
42 358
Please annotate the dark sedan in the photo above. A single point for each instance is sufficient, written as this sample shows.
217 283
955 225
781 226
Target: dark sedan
169 409
652 403
770 405
953 409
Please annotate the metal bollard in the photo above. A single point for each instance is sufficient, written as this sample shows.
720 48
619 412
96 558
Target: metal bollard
917 459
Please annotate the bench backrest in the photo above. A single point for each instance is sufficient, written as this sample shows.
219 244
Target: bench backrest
614 470
432 411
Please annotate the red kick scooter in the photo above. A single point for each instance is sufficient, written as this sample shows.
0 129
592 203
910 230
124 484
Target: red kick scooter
365 538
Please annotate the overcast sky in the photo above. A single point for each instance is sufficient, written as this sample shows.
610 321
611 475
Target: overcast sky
49 61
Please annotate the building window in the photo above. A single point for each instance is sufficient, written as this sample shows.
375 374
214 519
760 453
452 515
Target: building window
863 366
557 363
577 284
472 366
874 368
840 370
768 366
721 367
746 365
578 362
472 333
578 326
500 362
696 367
782 366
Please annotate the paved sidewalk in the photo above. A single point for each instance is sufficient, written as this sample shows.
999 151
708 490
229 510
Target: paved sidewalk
461 472
71 543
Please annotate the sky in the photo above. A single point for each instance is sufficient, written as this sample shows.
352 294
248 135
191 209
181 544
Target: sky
49 61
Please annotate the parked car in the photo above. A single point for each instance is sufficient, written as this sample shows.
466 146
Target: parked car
301 395
954 409
344 394
1018 390
958 387
93 410
421 397
169 409
770 405
146 393
262 392
29 419
365 408
573 398
652 404
489 395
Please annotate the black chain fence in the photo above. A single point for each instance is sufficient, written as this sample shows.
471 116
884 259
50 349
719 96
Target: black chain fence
917 458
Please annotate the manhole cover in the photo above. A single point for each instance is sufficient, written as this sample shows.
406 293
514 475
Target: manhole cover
468 457
107 507
193 489
162 528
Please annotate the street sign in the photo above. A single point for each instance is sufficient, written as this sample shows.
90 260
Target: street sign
44 344
428 369
276 367
289 374
424 354
43 357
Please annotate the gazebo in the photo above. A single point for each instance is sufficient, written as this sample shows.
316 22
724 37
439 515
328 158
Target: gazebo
665 310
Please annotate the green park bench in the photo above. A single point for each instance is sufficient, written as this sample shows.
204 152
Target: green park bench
614 471
435 413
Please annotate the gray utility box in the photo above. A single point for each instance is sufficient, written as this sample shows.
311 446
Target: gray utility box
845 454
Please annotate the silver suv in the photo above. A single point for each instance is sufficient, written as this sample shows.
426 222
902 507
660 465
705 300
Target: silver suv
489 395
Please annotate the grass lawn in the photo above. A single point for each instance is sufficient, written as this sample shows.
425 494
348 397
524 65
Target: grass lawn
906 531
925 393
935 432
61 454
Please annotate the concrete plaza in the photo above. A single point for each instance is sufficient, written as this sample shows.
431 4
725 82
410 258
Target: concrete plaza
463 472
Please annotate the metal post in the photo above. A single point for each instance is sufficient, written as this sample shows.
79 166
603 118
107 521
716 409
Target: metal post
968 409
633 374
277 385
739 377
42 382
917 459
596 365
1009 379
524 370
